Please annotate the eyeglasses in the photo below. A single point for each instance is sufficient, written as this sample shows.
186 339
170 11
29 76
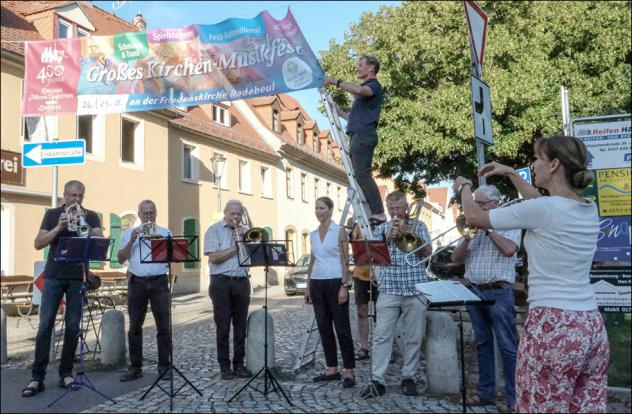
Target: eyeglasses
482 203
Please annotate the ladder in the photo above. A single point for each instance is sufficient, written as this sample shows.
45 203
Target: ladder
361 213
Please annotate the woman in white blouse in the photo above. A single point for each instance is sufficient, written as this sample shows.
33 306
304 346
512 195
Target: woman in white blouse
562 362
327 290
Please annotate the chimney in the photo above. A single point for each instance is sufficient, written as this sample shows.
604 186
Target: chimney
139 21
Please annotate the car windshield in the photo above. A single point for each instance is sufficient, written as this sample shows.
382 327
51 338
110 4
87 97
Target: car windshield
303 261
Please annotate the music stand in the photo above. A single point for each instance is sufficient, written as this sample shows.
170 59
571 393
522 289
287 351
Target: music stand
264 253
453 295
83 250
371 253
168 249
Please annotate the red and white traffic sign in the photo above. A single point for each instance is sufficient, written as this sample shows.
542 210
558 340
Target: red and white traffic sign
477 27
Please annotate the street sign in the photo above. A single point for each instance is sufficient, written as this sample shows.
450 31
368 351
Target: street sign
525 173
48 154
482 111
477 28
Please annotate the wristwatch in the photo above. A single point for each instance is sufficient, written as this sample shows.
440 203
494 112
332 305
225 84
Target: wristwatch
489 231
345 285
458 190
338 81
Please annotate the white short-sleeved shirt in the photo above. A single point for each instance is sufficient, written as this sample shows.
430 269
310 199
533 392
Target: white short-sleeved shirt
560 240
327 263
135 265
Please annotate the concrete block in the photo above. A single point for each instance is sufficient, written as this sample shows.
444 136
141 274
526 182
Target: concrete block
255 341
112 337
442 364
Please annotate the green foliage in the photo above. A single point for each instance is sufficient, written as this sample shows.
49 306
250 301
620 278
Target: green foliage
533 48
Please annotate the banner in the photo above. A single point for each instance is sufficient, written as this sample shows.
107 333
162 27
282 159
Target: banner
164 68
608 143
612 288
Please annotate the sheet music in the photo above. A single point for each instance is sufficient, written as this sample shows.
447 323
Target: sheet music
446 291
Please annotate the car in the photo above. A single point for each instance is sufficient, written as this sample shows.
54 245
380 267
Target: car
295 280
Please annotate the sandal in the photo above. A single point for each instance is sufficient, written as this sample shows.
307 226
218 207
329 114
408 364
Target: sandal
30 391
64 384
362 354
475 400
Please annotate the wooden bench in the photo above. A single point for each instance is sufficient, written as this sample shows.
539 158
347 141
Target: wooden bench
17 290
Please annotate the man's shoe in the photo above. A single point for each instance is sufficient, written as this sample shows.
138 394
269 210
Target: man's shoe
226 374
375 389
409 387
133 373
242 372
168 373
327 377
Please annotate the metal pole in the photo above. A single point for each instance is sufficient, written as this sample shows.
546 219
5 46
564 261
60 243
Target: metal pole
53 195
566 113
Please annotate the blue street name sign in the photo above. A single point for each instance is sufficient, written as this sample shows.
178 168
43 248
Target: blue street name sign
525 173
51 153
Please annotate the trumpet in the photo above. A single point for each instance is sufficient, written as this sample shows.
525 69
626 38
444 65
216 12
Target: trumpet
148 229
466 231
77 221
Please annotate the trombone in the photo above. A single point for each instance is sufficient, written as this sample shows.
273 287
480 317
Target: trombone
410 241
466 231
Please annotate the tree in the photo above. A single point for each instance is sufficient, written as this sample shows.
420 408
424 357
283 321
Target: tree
426 129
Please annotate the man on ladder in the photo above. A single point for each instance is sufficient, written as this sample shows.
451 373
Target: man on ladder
362 123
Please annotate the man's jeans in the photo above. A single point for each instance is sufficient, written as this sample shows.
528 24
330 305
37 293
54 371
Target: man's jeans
52 295
413 313
498 318
361 150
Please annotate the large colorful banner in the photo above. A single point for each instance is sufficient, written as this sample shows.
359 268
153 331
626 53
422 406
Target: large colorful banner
163 68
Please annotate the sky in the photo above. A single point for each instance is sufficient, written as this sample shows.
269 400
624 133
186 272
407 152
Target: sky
320 21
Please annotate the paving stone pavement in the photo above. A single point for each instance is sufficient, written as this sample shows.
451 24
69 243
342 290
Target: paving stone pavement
194 356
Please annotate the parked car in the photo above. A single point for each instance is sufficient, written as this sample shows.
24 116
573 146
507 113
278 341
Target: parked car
296 279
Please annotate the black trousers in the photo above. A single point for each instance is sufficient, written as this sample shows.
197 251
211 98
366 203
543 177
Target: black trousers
231 298
141 291
361 151
330 314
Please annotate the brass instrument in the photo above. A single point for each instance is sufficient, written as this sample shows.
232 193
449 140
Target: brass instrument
466 231
77 220
148 229
409 241
250 235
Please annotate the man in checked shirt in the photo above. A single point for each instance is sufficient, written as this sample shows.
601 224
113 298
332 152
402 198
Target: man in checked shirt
398 296
490 259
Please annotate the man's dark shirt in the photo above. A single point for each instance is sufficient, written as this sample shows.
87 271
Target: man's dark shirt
63 270
365 111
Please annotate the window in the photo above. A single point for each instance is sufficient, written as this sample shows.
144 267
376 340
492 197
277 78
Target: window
85 130
289 183
64 29
128 221
328 190
190 162
300 134
244 177
132 142
82 33
220 115
330 152
266 182
303 187
304 238
316 185
289 236
128 132
276 125
223 175
338 197
315 142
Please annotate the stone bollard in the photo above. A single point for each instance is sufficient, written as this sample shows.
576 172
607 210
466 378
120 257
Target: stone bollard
112 337
3 332
442 364
255 341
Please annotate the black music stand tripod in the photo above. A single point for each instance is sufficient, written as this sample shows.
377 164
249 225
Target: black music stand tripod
83 250
169 249
257 254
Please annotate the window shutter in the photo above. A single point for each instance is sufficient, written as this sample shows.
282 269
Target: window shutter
115 233
268 230
190 229
95 264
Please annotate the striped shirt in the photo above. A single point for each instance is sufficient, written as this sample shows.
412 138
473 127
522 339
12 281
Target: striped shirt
400 278
485 263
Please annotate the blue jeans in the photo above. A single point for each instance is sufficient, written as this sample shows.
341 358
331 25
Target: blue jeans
52 295
500 318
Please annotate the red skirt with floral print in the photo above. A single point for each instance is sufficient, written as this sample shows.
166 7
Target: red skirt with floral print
562 362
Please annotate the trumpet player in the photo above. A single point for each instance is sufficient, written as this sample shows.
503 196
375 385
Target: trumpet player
61 278
229 289
146 283
398 295
490 259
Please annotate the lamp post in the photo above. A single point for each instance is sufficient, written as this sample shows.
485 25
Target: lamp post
218 162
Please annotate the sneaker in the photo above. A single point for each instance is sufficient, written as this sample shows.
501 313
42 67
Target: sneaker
226 374
132 374
373 390
409 387
242 372
168 373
